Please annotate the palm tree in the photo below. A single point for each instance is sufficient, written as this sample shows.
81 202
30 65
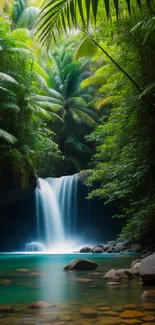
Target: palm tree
71 103
23 87
57 16
65 91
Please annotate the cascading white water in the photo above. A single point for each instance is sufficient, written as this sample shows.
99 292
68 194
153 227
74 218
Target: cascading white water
66 196
56 212
35 247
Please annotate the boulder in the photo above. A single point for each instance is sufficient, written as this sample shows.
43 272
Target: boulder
111 249
146 254
131 273
138 260
85 250
107 246
121 246
80 264
111 276
97 249
147 269
137 265
136 248
117 275
121 273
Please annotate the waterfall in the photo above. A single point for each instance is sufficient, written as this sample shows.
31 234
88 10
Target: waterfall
35 247
56 212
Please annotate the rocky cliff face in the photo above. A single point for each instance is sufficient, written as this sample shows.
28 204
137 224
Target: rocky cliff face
15 184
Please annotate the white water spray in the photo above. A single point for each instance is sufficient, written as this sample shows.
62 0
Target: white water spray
56 214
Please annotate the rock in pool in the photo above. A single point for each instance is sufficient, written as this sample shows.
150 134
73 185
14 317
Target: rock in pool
138 260
80 264
147 269
41 304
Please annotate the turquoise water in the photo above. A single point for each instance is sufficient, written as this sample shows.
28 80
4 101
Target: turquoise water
46 280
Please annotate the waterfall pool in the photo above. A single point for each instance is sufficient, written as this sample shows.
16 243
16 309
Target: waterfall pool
26 279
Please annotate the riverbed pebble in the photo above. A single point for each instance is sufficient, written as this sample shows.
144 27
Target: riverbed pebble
131 314
89 312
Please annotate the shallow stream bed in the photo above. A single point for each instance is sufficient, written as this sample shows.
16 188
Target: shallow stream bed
74 297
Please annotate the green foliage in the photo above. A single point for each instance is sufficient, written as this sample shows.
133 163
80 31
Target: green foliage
123 164
71 103
55 17
22 109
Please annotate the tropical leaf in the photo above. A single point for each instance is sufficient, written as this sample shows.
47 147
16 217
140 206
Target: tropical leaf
86 48
7 137
76 102
148 90
28 18
105 88
21 34
56 17
50 106
78 146
99 79
10 105
56 94
48 99
82 117
105 101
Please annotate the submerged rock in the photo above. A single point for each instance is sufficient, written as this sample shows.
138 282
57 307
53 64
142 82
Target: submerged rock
147 269
22 270
88 312
41 304
131 314
83 280
81 264
114 283
6 309
85 250
5 281
111 320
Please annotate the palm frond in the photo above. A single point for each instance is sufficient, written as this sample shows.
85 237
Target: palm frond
48 99
56 17
28 18
81 117
7 137
96 79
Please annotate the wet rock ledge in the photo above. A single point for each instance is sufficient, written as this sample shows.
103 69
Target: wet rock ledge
114 246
